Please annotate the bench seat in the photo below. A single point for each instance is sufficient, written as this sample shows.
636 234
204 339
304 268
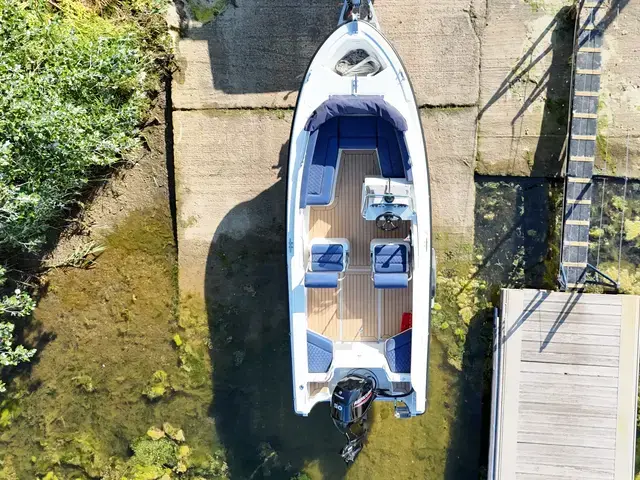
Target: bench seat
319 352
390 263
397 350
349 133
328 259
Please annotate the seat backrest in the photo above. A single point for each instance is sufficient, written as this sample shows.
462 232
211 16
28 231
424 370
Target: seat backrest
328 257
390 258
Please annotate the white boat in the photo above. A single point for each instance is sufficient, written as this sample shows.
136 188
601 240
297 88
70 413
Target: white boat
360 259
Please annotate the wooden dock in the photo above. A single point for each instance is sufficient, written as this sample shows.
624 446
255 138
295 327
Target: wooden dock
565 386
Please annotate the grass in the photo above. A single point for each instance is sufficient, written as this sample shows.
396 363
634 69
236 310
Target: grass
73 92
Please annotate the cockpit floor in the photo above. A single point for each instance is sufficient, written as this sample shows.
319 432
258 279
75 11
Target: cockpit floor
350 313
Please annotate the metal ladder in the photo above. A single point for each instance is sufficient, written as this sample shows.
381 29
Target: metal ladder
587 69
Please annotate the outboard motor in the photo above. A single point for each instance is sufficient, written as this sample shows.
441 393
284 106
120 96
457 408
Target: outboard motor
350 402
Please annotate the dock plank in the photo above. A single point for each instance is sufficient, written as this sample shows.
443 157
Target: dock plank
551 324
533 471
552 347
569 379
577 338
570 358
561 389
555 437
588 370
573 317
574 385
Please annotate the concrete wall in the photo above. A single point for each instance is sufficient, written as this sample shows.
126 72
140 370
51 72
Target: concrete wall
492 78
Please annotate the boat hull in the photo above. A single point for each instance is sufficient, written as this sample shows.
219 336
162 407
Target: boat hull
319 84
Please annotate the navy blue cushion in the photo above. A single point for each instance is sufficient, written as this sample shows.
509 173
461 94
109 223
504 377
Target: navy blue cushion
358 133
349 133
389 153
358 143
390 280
358 105
321 280
327 258
358 127
320 174
390 259
319 352
404 153
398 352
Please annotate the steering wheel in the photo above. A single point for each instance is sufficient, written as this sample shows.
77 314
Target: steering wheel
388 222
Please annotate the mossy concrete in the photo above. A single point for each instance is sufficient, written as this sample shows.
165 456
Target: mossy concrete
450 138
619 110
255 52
524 87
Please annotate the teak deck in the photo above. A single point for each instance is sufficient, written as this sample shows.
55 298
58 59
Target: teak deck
350 313
564 386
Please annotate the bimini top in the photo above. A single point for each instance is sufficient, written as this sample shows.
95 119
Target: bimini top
346 105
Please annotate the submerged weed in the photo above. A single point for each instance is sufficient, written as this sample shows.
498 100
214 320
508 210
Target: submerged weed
158 386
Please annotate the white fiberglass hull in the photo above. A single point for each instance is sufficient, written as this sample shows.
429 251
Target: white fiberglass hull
321 82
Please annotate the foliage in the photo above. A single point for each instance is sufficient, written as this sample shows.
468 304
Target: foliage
205 11
460 297
72 92
167 455
632 229
160 452
17 304
160 457
83 256
158 386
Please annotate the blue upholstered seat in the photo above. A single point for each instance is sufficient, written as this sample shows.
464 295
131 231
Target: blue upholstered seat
390 264
397 349
320 174
391 280
390 258
321 279
349 133
319 352
389 151
328 259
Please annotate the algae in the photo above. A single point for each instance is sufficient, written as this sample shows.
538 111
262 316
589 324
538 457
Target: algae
535 5
631 229
204 11
103 333
158 386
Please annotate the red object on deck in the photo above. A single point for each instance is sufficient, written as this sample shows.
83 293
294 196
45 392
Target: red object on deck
407 320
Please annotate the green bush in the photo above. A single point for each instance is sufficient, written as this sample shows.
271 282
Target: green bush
18 304
72 95
74 78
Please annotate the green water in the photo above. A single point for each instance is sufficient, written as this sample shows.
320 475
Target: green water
103 334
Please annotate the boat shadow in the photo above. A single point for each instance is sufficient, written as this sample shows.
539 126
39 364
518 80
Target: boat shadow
469 444
247 303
